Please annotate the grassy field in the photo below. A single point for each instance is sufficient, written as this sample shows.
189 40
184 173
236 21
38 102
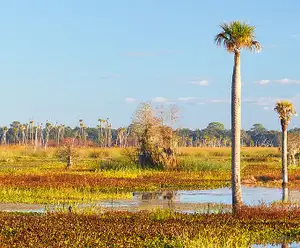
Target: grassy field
30 176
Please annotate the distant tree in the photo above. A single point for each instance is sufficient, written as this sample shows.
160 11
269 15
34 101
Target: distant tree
48 128
285 110
157 142
15 126
67 152
31 131
216 126
82 132
3 138
258 128
245 138
235 36
23 134
100 131
122 137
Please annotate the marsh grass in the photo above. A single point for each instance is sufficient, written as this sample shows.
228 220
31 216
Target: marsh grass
160 228
190 163
29 174
58 196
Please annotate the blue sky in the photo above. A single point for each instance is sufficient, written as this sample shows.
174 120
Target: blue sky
69 60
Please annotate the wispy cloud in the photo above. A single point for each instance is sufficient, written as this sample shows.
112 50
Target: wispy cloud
200 100
130 100
280 81
288 81
218 101
160 99
261 101
188 99
200 82
152 53
264 81
265 102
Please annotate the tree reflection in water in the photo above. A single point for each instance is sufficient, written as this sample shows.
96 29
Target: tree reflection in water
285 193
159 195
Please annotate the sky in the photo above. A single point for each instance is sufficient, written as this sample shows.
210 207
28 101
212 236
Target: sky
68 60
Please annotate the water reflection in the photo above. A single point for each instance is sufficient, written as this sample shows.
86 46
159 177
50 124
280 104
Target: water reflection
285 194
159 195
283 245
188 201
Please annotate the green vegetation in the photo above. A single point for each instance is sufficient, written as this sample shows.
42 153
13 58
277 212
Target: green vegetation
30 176
151 229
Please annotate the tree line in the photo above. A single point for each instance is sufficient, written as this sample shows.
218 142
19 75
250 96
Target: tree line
215 135
103 135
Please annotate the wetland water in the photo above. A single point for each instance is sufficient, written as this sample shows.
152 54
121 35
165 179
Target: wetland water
188 201
284 245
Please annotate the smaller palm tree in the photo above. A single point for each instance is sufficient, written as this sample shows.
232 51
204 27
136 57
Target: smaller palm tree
285 110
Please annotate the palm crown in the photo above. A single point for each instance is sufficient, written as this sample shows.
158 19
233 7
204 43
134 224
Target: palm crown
285 110
237 35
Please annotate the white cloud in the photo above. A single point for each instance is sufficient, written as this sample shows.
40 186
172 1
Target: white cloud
217 101
201 83
199 100
288 81
187 99
265 101
160 99
261 101
284 81
280 81
130 99
264 81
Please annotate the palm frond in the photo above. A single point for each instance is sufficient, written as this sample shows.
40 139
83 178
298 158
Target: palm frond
237 35
255 46
285 110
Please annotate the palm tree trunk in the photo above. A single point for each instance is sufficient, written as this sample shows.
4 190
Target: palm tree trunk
236 134
284 157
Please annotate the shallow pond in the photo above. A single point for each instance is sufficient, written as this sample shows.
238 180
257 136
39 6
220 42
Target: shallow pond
283 245
188 201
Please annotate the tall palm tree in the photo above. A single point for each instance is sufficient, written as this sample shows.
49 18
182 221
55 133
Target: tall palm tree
100 132
48 128
23 129
3 139
235 36
285 110
31 130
